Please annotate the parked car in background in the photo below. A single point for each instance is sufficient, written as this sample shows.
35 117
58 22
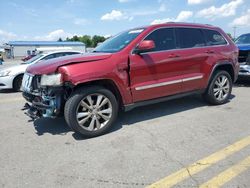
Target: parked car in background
26 58
11 77
134 68
243 43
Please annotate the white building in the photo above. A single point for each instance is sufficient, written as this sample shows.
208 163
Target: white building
15 49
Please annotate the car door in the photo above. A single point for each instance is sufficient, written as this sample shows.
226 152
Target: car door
156 73
192 48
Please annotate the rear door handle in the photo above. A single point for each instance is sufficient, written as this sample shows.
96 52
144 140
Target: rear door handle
173 56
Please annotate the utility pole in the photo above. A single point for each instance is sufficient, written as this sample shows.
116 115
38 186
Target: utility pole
234 32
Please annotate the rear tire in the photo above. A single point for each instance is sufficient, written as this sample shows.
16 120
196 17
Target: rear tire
17 83
91 111
219 88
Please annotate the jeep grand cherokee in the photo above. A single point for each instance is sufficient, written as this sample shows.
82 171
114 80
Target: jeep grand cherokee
136 67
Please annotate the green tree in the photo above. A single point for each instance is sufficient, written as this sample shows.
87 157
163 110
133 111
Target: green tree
60 39
86 39
75 38
97 39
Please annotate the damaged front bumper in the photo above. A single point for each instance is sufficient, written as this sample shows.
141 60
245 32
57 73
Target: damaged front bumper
47 103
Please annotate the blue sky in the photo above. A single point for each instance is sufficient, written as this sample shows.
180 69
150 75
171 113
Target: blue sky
49 20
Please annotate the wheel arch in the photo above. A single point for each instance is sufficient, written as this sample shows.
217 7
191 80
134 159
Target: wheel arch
16 76
226 66
107 84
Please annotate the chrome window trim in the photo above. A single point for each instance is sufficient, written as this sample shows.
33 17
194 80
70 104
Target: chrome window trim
168 83
173 27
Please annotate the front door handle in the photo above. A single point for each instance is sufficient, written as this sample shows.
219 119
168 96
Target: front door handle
173 56
210 52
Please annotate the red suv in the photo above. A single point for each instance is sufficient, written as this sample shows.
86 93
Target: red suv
134 68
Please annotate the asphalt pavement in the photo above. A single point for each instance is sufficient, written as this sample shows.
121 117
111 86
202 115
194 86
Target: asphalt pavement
179 143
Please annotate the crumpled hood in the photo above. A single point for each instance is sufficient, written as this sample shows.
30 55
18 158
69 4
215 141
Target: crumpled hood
50 66
243 46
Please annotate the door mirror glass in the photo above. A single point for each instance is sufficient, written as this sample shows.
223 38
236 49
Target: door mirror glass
145 46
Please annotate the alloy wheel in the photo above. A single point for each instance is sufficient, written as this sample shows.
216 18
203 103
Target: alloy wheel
94 112
221 87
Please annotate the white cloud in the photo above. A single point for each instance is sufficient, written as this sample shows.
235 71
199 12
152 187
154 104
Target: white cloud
196 2
54 35
227 9
80 21
242 20
6 36
182 16
116 15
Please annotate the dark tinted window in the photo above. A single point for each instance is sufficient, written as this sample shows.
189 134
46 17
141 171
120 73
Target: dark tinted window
164 39
189 38
51 56
70 53
59 54
214 38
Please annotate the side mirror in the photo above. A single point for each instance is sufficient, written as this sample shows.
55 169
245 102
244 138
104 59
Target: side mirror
144 46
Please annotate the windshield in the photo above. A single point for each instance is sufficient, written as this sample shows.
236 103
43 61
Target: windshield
243 39
118 42
33 59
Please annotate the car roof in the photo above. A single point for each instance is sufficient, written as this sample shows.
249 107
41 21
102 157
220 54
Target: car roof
245 34
178 24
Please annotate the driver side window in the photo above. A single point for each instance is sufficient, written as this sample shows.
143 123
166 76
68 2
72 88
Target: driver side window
164 39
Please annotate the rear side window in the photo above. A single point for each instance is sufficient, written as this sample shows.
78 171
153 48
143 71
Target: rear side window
164 39
190 38
71 53
52 56
214 38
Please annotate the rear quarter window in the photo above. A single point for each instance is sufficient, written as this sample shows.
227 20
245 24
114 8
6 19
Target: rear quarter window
214 38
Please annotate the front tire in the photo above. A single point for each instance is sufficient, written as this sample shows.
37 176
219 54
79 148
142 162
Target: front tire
91 111
17 83
219 89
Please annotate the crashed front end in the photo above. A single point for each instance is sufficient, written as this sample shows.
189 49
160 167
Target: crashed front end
45 95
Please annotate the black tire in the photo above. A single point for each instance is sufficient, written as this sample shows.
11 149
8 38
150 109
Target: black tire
209 95
17 83
73 103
